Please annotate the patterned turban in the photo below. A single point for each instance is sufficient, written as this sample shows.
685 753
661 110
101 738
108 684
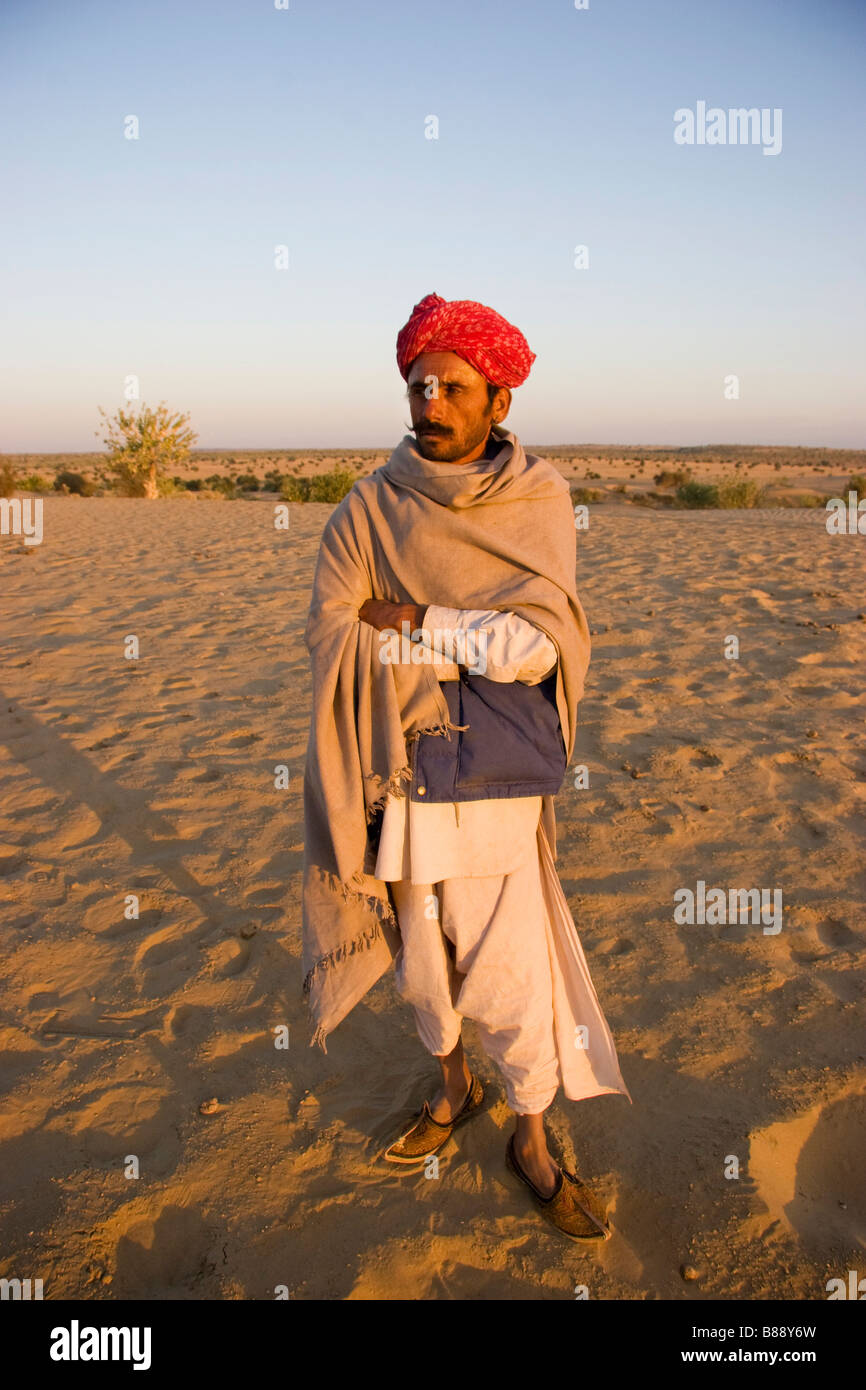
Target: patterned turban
483 338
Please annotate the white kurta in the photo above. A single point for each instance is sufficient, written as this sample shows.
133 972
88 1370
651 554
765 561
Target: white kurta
425 842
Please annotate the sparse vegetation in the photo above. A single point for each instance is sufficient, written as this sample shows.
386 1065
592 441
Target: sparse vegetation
8 482
801 474
327 487
142 446
653 499
75 483
673 477
694 494
220 482
799 499
739 492
582 496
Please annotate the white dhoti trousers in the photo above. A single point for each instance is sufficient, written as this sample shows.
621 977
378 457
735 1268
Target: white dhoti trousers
478 948
499 948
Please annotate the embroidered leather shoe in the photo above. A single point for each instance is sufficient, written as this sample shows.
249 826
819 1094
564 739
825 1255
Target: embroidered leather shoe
571 1207
426 1135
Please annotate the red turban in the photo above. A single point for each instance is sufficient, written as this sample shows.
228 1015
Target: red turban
483 338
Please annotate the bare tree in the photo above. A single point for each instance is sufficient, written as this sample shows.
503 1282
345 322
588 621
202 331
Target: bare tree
143 445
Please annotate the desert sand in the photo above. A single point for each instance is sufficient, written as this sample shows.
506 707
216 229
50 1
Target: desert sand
156 777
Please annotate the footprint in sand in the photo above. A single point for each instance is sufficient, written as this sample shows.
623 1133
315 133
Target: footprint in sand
106 918
839 937
229 957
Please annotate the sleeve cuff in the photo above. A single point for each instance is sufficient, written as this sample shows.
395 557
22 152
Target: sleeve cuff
439 617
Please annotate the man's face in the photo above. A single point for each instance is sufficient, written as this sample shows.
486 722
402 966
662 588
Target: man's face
451 411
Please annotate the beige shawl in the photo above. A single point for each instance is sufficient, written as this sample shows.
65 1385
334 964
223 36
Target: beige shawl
413 531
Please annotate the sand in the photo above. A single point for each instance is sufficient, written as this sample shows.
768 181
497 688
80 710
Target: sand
156 777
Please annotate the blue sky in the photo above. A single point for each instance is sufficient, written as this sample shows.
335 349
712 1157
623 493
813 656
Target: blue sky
305 127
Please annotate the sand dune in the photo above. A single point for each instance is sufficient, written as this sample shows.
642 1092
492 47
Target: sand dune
155 777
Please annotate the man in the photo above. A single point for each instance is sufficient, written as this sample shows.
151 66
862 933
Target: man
460 536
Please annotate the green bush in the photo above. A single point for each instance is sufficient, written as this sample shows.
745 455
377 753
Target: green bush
857 483
220 482
332 486
34 482
739 492
673 477
248 482
295 490
584 495
327 487
75 483
169 487
695 494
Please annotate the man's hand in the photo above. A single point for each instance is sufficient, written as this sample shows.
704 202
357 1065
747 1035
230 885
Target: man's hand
381 614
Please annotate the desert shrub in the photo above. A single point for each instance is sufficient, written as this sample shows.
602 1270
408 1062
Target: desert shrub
248 482
739 492
653 499
589 474
34 482
142 445
75 483
800 499
694 494
273 481
857 483
8 481
169 487
672 477
332 486
327 487
220 482
582 496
